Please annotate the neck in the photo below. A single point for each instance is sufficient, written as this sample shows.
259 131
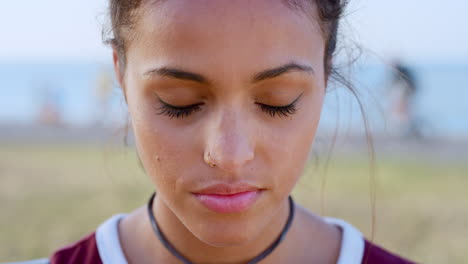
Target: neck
198 251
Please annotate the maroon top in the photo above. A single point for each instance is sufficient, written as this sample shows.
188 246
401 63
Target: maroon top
85 251
375 254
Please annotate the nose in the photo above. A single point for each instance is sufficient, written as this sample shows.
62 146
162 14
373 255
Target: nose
229 142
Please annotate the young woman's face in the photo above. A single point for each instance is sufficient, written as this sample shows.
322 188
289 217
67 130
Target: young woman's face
236 83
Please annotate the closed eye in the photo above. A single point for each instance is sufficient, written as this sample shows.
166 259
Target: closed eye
184 111
177 111
281 111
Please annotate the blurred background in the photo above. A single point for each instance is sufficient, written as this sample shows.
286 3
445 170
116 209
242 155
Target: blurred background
64 167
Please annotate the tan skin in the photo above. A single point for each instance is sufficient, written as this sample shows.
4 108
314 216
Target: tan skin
236 56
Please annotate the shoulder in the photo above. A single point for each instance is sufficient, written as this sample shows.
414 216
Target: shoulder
355 248
83 251
376 254
101 246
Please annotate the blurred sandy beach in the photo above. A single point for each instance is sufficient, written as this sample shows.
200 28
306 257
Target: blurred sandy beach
455 148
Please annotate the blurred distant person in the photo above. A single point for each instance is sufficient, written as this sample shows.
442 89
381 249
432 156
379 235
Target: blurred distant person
49 112
103 95
404 88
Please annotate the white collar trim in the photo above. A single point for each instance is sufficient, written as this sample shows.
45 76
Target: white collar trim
352 242
108 243
110 250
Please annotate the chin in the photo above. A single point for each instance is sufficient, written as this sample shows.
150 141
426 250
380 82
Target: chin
228 236
229 231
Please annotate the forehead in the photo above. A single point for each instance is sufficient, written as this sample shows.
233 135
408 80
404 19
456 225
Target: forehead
226 35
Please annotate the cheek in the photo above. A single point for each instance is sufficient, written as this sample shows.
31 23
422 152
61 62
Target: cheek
288 147
167 150
162 146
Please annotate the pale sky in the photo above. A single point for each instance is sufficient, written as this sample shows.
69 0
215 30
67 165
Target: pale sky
58 30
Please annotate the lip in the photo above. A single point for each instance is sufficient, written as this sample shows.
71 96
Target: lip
228 198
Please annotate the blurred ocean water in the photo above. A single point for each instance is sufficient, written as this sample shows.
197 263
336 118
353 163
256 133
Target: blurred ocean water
72 88
441 103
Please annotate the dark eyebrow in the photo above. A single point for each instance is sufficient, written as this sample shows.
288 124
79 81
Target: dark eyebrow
275 72
178 74
190 76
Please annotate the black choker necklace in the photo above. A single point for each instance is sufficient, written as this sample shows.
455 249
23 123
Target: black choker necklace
256 259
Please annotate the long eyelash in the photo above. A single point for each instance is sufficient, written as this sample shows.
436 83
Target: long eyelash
181 112
281 111
177 112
